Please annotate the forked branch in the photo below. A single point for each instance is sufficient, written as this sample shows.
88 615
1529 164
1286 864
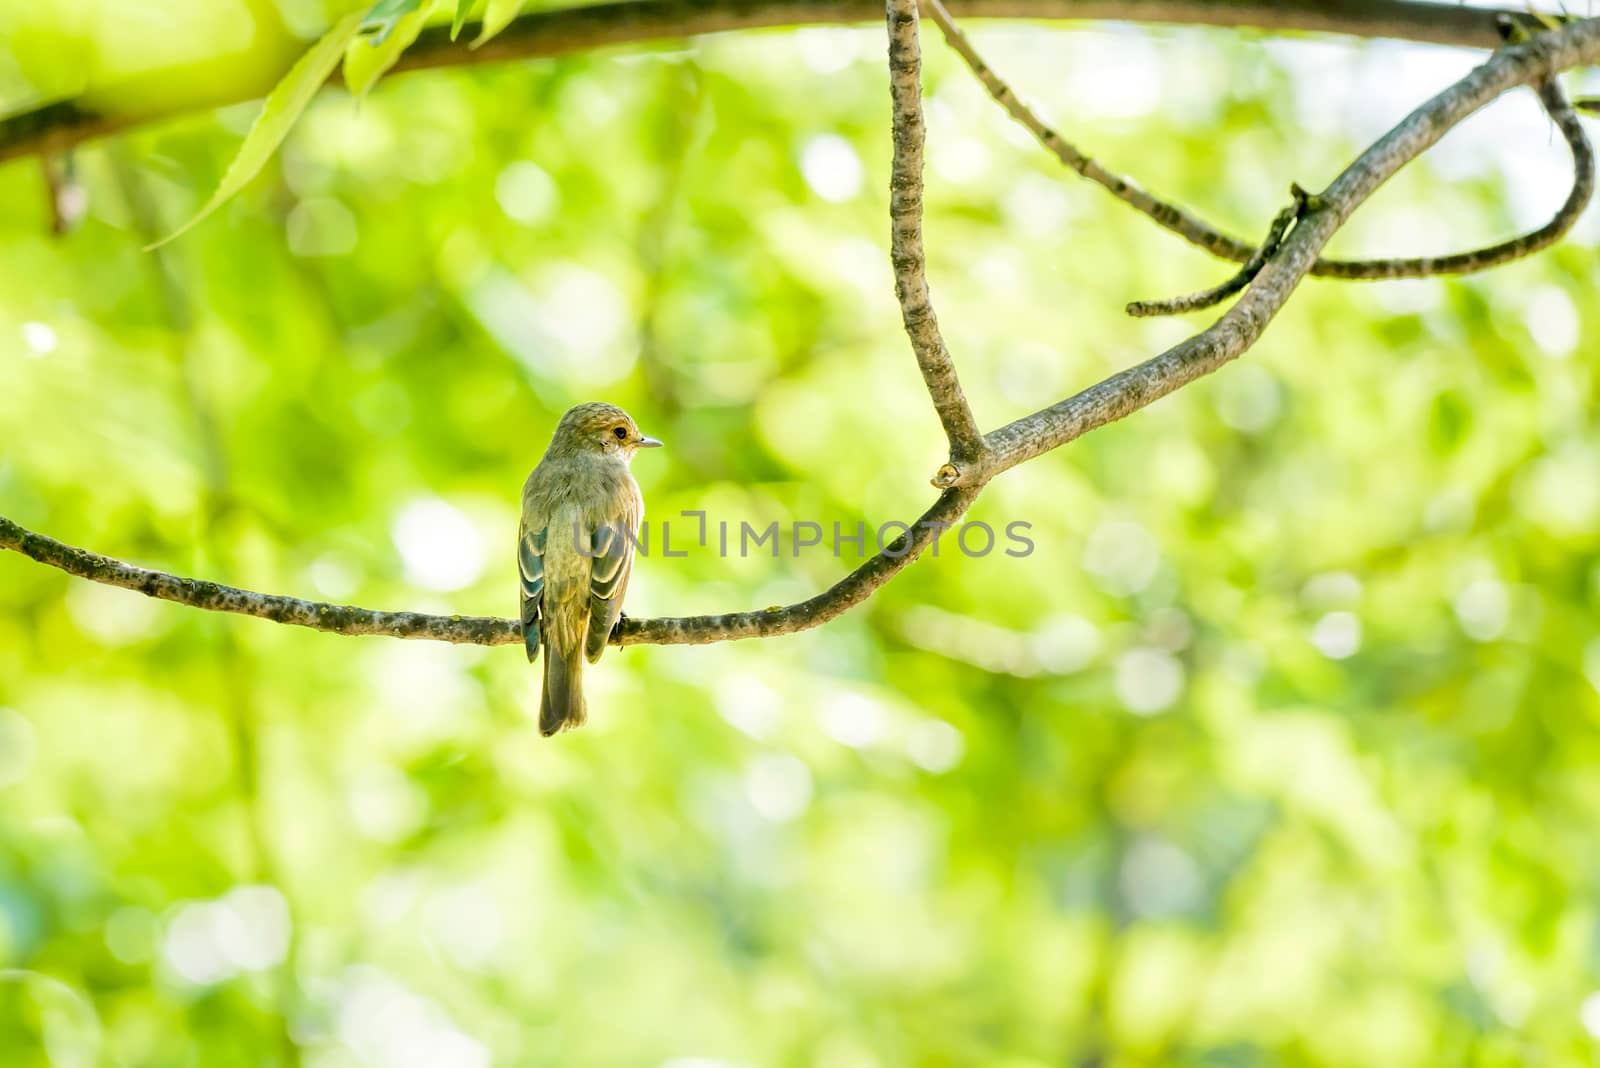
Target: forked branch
1531 63
1202 234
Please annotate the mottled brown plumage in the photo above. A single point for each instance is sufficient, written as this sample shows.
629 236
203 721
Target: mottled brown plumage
581 511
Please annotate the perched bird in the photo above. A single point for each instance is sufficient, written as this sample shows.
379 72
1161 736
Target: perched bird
581 511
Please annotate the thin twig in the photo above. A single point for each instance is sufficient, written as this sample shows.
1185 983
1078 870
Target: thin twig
905 238
1202 234
1024 439
1565 218
564 31
1208 298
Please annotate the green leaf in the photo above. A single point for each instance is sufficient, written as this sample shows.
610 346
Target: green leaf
496 17
284 105
366 59
389 10
463 9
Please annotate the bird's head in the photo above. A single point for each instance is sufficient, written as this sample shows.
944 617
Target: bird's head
602 429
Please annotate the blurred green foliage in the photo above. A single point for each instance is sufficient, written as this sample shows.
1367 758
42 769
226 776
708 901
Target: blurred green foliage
1282 748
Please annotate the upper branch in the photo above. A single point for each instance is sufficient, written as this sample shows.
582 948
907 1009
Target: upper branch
1127 391
905 247
62 124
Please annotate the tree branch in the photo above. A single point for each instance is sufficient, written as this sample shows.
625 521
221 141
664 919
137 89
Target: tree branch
1127 391
1565 218
1536 61
60 124
1202 234
905 244
489 630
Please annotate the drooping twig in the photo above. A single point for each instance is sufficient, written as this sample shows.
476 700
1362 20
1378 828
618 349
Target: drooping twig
1208 298
1204 235
61 124
1017 442
905 238
1583 179
1516 248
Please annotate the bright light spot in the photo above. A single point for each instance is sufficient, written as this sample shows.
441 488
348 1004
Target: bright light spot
1553 322
1064 644
17 746
1482 608
583 308
1036 206
384 1023
1589 1014
424 690
1409 296
190 948
110 616
1148 680
1113 77
526 193
825 50
748 704
779 787
438 544
1248 398
465 923
40 338
852 720
1337 635
1561 492
1122 557
831 167
256 934
1159 879
332 577
1450 509
1331 588
246 930
963 161
321 226
935 746
384 804
573 320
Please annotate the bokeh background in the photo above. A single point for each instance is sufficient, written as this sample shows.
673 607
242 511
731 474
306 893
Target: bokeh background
1283 747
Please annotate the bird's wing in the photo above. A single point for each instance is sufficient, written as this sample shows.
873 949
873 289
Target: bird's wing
530 564
609 570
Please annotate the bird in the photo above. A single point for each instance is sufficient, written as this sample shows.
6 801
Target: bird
581 513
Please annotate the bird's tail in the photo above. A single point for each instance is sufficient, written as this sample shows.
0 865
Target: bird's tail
562 704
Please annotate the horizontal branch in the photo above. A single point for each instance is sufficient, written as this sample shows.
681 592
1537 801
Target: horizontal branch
489 630
1536 61
61 124
1540 59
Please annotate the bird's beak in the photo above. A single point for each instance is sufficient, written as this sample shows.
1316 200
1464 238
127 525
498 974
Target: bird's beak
647 442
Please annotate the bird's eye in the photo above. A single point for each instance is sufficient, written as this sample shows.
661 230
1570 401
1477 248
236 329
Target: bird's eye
621 433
